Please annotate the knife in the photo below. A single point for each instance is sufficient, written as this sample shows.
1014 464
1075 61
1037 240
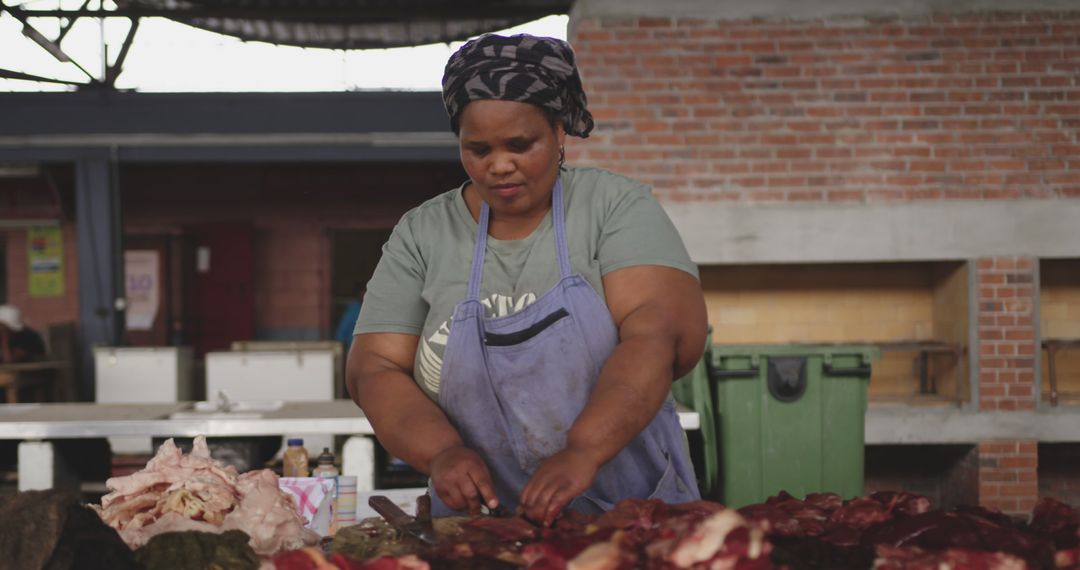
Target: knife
401 521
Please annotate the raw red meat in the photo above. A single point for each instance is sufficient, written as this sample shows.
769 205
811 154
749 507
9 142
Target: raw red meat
967 530
887 531
513 529
1058 521
901 503
860 514
913 558
776 521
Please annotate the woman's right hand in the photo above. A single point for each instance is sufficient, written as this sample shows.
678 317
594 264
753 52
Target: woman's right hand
461 479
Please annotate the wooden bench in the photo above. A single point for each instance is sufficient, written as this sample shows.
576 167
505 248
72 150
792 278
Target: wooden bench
37 375
1053 346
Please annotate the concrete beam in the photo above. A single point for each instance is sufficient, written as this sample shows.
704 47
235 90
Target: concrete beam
800 9
909 425
940 230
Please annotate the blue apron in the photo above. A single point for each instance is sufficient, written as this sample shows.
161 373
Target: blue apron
512 386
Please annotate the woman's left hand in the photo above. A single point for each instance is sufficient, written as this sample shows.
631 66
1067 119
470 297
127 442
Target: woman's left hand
559 479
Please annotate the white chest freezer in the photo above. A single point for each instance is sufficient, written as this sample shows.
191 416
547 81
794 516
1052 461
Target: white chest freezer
292 376
136 375
288 375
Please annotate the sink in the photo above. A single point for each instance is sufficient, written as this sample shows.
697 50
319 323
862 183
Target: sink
238 410
244 406
215 416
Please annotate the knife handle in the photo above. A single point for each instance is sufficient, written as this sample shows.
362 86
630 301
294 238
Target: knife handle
389 511
423 508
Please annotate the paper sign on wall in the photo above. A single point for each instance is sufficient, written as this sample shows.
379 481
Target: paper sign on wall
141 288
46 256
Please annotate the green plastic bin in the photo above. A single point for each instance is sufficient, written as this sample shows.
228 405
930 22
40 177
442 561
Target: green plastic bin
790 418
695 392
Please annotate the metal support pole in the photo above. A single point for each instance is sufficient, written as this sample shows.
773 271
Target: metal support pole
97 209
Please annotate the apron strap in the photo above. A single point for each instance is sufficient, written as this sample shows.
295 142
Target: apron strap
561 249
559 215
478 254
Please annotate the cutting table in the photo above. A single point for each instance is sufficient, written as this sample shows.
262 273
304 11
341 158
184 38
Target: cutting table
35 425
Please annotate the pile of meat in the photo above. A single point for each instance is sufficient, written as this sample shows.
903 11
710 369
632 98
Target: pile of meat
178 492
899 530
883 531
635 534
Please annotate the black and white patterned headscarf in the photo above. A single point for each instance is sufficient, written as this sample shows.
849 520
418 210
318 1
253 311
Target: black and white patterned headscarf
523 68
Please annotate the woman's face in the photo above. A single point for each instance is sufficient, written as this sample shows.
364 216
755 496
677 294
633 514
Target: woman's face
511 153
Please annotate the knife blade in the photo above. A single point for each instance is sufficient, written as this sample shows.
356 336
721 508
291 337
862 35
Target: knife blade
401 521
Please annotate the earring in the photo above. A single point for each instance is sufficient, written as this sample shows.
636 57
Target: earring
562 155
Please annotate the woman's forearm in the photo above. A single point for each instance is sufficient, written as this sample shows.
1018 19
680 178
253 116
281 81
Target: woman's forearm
660 314
408 424
632 386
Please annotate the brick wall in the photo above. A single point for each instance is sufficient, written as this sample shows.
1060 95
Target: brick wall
1008 478
40 312
1006 333
292 270
980 106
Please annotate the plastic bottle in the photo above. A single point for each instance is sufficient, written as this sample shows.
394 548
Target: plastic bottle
326 467
295 459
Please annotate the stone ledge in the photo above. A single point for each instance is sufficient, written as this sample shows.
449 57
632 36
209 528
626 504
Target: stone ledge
910 425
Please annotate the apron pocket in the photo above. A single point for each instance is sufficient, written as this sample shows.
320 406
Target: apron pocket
518 337
670 488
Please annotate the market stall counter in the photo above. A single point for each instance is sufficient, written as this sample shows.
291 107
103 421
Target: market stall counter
34 425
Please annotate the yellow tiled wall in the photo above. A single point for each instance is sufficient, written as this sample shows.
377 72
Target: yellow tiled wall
1059 304
828 303
951 325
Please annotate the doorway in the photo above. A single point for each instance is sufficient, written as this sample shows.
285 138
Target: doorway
147 289
355 255
220 266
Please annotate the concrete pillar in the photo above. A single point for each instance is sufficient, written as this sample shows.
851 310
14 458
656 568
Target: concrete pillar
1007 337
97 211
1008 476
1007 381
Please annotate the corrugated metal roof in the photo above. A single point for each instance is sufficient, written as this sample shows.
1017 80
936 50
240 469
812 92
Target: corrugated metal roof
350 24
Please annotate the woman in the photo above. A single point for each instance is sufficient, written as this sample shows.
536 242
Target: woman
522 354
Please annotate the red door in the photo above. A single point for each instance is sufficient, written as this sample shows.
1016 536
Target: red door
222 306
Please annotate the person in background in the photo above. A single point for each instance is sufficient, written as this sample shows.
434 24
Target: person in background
18 342
344 333
525 328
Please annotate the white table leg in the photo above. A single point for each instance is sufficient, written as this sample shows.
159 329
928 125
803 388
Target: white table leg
37 465
358 460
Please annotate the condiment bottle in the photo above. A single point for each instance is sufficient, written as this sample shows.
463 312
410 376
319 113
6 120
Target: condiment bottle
326 468
295 459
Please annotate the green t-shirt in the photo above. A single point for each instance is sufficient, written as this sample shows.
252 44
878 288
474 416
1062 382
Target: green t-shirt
612 222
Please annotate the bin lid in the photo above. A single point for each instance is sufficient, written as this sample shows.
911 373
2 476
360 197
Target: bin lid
828 351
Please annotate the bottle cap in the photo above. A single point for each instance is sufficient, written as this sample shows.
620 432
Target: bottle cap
326 457
296 441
